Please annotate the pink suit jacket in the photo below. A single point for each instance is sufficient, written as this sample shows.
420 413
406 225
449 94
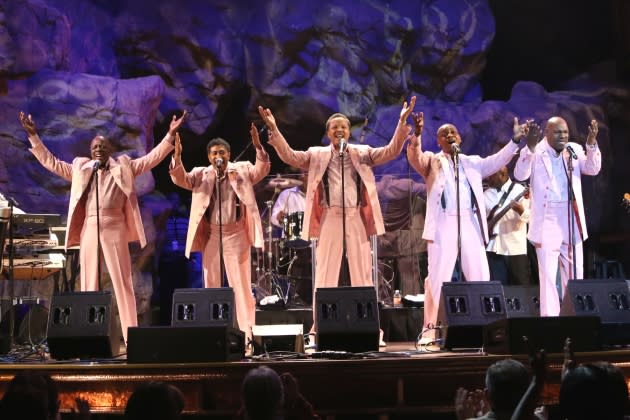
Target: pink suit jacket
123 169
537 167
242 176
316 160
430 165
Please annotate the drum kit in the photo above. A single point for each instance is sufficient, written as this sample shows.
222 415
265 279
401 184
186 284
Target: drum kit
284 272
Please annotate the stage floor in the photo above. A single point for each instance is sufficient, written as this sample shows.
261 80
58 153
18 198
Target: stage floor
400 381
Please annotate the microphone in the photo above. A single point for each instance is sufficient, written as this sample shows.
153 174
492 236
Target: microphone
97 164
571 152
13 201
218 162
455 148
343 145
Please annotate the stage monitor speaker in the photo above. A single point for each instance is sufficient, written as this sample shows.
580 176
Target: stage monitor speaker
279 337
203 307
522 301
347 319
189 344
505 336
83 325
465 307
608 299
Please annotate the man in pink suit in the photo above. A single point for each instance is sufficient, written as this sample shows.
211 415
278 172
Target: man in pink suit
238 218
440 226
546 165
120 219
323 208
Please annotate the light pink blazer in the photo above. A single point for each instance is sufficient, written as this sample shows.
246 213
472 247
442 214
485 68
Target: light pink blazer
432 167
536 166
316 160
123 169
242 176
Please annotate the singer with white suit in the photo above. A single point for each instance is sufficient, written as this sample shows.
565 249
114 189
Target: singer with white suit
440 226
235 216
546 164
119 212
323 208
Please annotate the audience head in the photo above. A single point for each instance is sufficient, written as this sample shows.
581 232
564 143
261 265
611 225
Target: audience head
30 396
262 393
594 391
155 401
506 382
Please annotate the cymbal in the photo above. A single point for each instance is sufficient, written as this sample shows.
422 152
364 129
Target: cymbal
283 183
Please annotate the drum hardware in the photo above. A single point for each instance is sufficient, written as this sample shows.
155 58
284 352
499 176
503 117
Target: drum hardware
279 183
275 268
267 283
292 228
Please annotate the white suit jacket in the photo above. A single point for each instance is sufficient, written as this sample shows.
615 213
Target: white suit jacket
432 167
536 166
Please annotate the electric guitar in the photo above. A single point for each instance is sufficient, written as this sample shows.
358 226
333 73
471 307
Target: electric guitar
492 222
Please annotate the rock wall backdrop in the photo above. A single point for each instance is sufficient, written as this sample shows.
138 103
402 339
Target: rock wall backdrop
123 68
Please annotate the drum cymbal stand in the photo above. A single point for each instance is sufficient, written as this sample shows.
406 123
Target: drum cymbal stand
269 274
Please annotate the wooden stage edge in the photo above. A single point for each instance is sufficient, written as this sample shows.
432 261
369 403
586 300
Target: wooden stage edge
399 382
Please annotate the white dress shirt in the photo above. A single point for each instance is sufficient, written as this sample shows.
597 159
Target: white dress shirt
511 229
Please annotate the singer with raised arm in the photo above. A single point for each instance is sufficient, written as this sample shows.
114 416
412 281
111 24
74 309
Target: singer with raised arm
455 226
118 209
224 216
557 226
325 203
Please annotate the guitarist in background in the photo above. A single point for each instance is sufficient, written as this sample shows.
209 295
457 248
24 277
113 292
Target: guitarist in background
508 214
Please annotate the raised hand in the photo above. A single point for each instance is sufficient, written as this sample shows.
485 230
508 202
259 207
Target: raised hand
176 123
533 134
592 132
28 124
268 118
418 123
178 148
569 358
520 130
253 132
406 110
82 411
470 404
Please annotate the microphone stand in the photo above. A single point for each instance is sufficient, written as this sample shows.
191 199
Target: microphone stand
218 189
458 262
344 255
571 214
98 229
11 275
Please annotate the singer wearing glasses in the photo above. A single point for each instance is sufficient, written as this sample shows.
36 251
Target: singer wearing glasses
440 225
547 164
226 218
323 204
120 220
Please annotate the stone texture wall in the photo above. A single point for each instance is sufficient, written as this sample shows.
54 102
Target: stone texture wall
123 68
